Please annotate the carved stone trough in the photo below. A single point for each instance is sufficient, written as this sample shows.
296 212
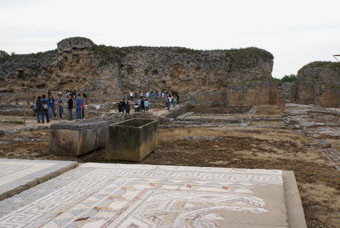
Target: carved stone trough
77 138
132 140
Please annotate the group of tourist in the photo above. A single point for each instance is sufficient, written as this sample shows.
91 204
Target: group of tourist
124 107
146 94
50 107
143 104
171 99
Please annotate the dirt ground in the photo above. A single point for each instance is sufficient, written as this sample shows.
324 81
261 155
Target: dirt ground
258 146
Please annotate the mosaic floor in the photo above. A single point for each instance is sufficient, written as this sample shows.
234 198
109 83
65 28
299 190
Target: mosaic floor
138 196
16 174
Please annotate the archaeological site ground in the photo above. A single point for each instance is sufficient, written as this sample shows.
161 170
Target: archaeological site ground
238 150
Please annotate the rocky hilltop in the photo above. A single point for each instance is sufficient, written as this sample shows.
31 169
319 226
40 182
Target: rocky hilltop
107 71
319 83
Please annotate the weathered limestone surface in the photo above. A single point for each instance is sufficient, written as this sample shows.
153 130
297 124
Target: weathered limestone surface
74 43
18 175
78 137
122 195
132 140
3 54
319 83
108 72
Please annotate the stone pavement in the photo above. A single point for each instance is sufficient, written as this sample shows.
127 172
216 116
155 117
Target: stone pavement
19 175
333 156
121 195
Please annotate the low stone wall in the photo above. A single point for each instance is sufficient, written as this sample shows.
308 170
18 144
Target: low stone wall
210 98
249 93
78 137
132 140
199 109
178 111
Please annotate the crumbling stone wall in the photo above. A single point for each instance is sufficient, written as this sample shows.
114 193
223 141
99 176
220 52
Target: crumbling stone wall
251 93
289 92
319 83
110 72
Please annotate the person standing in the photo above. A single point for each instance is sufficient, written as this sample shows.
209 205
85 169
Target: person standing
127 108
168 102
45 107
174 101
39 109
70 108
120 107
146 104
83 110
139 103
60 104
79 103
142 104
131 95
85 96
123 106
52 106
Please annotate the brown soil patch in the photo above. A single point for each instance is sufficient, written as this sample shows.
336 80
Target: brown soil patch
239 147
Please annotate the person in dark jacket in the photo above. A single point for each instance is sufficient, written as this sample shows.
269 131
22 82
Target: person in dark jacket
142 105
127 108
70 107
123 103
39 109
45 107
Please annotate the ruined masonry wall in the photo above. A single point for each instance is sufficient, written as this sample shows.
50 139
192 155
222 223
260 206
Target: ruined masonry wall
108 73
319 83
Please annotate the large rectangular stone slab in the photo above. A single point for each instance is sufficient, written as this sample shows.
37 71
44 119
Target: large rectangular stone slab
117 195
18 175
79 137
132 140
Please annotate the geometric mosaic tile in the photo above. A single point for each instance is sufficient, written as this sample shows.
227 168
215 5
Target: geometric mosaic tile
125 195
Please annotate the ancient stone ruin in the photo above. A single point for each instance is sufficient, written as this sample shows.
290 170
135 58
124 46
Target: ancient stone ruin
224 77
214 160
237 77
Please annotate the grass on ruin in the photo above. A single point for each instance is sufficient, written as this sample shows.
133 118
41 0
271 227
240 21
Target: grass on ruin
324 64
13 121
326 196
27 57
248 57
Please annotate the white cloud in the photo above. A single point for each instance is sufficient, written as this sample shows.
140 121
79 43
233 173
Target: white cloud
296 32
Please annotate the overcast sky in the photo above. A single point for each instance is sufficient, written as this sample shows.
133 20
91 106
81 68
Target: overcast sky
296 32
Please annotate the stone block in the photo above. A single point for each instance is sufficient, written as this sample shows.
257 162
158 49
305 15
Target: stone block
132 140
17 175
78 137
